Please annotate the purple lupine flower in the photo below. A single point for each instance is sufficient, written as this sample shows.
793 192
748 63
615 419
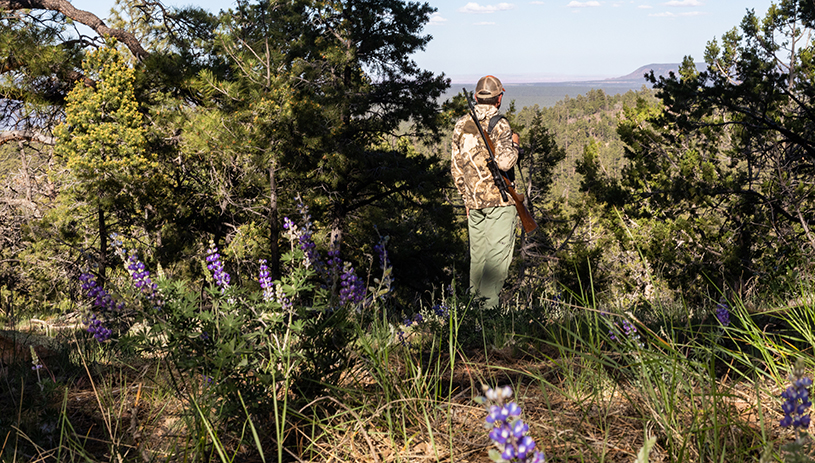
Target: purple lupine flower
797 402
494 414
507 431
215 265
141 277
333 265
282 299
334 261
35 361
382 252
441 310
142 281
309 248
97 329
265 281
103 302
352 289
500 435
627 329
305 237
416 318
723 314
612 332
99 297
525 447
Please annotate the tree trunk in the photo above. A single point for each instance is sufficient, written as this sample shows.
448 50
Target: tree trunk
336 232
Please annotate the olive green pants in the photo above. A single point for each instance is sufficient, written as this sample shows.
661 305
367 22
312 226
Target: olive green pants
492 240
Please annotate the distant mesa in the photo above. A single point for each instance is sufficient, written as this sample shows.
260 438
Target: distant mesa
660 69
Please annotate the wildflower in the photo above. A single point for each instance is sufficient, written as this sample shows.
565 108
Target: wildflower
305 236
97 329
282 299
99 297
35 359
291 229
308 247
626 329
141 277
215 265
441 310
142 281
334 261
417 318
723 314
352 289
507 431
265 281
103 302
797 402
380 250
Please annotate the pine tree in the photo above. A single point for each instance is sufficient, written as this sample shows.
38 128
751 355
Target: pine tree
102 142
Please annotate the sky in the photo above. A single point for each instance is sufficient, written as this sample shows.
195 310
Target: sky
524 41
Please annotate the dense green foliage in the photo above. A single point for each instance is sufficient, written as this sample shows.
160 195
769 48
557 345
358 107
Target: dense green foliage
719 172
642 197
654 207
238 113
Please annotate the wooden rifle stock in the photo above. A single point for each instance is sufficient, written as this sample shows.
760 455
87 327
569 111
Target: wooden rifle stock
503 183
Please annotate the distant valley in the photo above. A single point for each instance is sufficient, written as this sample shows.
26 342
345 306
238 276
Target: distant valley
547 94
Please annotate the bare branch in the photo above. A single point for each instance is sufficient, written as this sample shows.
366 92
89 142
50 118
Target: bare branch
84 17
27 135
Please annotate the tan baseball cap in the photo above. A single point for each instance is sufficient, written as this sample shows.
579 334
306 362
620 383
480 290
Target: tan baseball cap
488 87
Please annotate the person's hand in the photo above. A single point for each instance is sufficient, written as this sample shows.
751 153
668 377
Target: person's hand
516 139
468 210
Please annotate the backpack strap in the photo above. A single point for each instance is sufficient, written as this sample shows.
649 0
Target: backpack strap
493 122
491 125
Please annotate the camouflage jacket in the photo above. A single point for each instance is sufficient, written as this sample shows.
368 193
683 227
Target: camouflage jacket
469 159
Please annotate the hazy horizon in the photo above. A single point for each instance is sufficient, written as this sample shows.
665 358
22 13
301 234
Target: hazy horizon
532 79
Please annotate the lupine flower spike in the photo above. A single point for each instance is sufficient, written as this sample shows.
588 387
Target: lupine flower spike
796 404
215 265
35 361
103 302
386 282
142 281
352 289
506 429
723 314
266 281
305 238
627 329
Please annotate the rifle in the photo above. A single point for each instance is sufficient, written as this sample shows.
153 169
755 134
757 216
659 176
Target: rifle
503 184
